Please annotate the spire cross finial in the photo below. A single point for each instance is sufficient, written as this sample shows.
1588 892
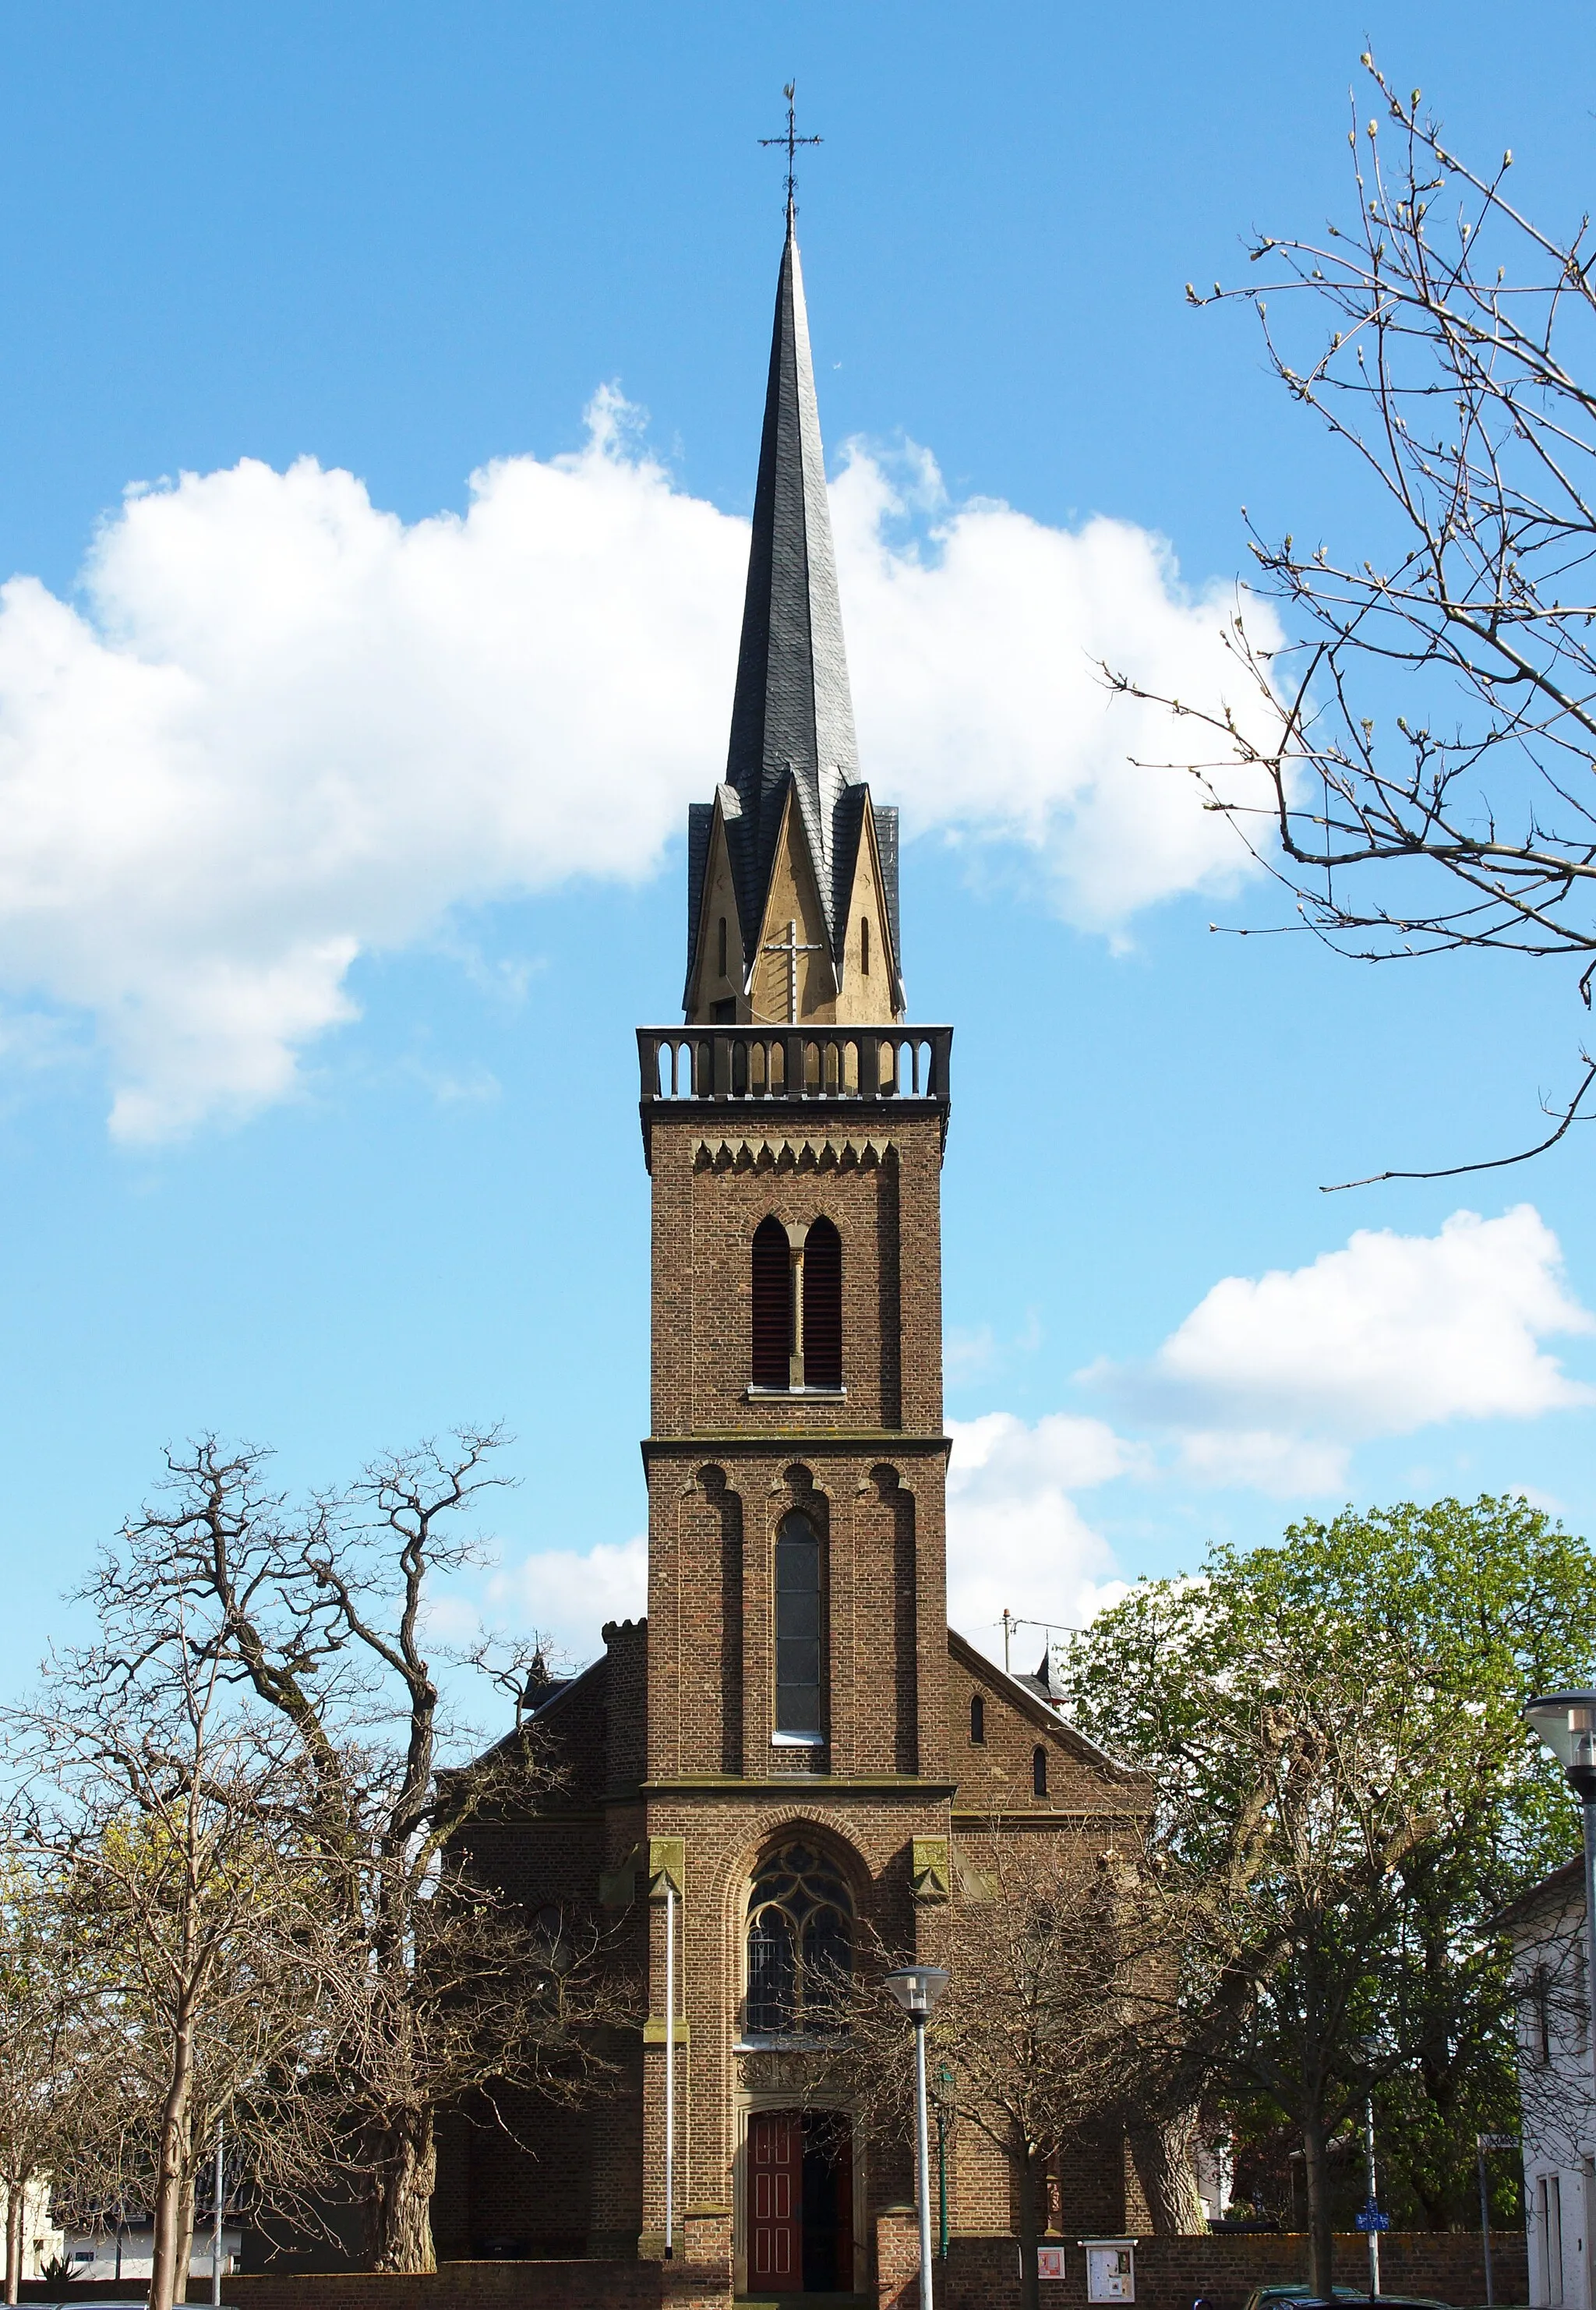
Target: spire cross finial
791 948
792 140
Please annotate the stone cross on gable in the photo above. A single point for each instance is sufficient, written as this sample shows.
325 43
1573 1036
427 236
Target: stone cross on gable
792 948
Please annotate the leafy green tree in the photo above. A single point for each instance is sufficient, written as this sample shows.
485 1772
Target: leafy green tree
1347 1792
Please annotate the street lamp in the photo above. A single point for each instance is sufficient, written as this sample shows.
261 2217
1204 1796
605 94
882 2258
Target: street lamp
916 1988
1566 1724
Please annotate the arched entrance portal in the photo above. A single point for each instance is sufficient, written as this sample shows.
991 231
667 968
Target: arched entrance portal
798 2195
800 2202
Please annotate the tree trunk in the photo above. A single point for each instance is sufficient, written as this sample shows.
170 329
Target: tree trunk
1028 2173
1166 2160
16 2214
168 2228
399 2211
183 2260
1315 2159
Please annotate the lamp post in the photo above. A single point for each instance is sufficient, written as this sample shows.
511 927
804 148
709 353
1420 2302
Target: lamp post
916 1988
1482 2142
219 2196
1566 1724
1368 2160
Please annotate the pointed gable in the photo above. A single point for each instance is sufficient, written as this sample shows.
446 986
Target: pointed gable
793 912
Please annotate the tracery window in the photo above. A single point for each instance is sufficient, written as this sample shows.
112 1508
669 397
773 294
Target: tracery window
800 1944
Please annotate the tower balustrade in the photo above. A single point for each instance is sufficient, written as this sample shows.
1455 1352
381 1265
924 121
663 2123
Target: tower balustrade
805 1064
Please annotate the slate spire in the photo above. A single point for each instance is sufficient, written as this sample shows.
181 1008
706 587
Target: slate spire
792 712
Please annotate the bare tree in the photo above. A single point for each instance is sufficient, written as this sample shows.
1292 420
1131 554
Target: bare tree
59 2079
1029 2040
442 1991
1432 782
158 1806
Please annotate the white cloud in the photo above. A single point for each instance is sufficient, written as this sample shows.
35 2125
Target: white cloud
981 701
1016 1540
566 1594
1259 1460
281 728
1271 1379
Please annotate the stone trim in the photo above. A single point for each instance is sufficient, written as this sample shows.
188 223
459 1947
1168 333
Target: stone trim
724 1784
929 1870
766 1443
785 1154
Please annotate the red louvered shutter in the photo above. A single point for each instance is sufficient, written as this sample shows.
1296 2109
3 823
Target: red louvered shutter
822 1306
773 1304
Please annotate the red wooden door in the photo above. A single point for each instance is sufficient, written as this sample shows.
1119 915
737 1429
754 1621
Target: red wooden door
776 2201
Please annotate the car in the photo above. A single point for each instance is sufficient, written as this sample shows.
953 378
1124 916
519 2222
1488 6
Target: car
1375 2301
1283 2292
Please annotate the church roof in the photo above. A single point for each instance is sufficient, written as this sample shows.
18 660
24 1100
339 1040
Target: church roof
792 709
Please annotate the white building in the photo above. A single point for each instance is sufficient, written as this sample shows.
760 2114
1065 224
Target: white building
1555 2090
41 2239
114 2253
125 2253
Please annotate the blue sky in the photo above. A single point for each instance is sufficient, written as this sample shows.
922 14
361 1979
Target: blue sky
340 849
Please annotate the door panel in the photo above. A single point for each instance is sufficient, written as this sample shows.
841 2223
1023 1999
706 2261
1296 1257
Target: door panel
775 2201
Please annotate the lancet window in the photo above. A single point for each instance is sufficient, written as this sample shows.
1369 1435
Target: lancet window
800 1637
800 1944
773 1306
797 1307
822 1306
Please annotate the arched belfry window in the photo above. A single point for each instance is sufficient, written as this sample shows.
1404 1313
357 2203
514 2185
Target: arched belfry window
800 1943
799 1634
773 1306
822 1306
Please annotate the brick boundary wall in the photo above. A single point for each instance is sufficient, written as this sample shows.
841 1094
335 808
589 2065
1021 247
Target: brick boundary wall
1171 2274
456 2285
982 2273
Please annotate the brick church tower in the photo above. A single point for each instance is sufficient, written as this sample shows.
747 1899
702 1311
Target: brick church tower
785 1756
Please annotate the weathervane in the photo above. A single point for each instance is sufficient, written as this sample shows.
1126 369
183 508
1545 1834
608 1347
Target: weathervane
792 140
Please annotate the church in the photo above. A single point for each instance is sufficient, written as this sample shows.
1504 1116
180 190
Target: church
792 1755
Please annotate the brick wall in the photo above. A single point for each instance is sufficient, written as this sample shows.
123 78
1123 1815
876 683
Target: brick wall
982 2273
456 2285
875 1171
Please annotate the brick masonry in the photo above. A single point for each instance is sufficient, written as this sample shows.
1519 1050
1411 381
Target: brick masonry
982 2273
457 2285
670 1775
